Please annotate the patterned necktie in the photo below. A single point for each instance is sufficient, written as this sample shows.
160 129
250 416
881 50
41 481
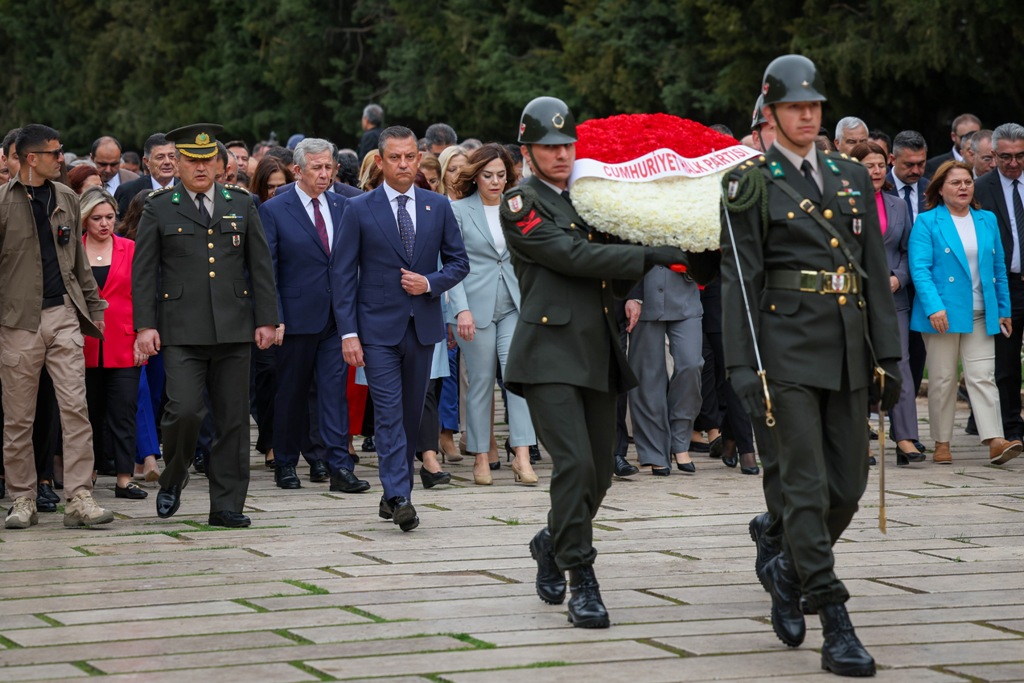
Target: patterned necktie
909 202
1018 214
321 226
203 213
809 174
405 229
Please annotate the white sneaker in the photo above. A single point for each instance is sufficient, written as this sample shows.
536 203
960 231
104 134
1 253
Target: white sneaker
22 514
82 510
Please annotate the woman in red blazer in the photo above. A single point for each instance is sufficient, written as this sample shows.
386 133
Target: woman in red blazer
112 364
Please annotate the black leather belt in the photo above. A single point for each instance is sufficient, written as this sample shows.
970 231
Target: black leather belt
816 281
53 301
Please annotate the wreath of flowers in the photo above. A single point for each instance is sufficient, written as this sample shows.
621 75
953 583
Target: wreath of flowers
653 179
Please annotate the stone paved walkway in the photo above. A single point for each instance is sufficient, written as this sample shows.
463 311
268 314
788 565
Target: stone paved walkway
321 589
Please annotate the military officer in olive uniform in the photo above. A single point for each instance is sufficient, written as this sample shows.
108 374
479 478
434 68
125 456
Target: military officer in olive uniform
823 316
565 357
203 289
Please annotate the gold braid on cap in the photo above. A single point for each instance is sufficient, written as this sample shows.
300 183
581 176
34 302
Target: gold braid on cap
192 150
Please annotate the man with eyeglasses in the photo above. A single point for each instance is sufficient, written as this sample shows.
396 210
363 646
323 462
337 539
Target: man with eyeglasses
1001 193
964 124
106 155
48 300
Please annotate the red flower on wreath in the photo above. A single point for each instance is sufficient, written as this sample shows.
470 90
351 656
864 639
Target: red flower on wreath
625 137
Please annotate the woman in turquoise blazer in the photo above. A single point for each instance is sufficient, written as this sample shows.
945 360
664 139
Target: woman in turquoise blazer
962 299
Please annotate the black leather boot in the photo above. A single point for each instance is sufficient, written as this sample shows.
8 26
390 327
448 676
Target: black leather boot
586 610
842 652
550 580
767 547
784 587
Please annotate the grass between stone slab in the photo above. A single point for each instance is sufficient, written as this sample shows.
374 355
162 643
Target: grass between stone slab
367 615
511 521
317 673
245 603
295 637
87 553
308 587
47 619
9 644
88 668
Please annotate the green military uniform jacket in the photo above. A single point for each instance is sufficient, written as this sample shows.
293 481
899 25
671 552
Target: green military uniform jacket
806 338
202 282
569 275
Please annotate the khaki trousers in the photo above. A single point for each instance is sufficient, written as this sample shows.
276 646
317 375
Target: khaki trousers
977 351
58 345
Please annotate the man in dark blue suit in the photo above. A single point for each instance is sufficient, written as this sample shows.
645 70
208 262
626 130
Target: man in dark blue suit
386 285
302 227
908 158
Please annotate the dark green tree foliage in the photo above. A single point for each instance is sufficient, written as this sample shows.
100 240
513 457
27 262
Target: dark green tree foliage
132 67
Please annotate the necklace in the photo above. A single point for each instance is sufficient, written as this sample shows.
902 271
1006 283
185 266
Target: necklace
99 258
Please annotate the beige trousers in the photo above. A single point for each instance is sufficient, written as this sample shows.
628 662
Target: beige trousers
977 352
58 344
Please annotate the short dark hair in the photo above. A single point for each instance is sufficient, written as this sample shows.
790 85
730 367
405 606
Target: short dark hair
910 140
10 139
516 152
441 134
283 154
863 149
721 128
131 158
962 119
33 135
154 140
102 141
878 134
393 133
237 143
222 154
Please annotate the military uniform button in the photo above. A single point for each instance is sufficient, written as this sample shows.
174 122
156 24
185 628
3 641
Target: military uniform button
544 319
840 270
210 231
179 229
167 296
842 300
213 274
854 209
828 213
772 308
604 284
572 225
790 215
213 260
245 292
210 245
834 242
590 237
860 304
606 310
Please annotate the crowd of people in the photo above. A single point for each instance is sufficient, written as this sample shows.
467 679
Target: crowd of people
149 308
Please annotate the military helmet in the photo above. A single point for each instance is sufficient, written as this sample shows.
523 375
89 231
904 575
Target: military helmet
758 119
792 78
547 121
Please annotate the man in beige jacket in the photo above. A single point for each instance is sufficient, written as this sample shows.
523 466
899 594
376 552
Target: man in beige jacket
48 300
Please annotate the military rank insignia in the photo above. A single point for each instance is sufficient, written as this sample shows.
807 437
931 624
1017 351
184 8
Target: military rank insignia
515 204
176 198
858 226
236 240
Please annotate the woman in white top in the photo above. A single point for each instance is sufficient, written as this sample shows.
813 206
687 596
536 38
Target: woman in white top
485 308
962 299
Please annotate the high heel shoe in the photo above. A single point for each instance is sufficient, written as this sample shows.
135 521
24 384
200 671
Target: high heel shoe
534 454
661 471
904 458
528 478
449 452
432 479
482 479
687 467
509 451
729 456
496 465
752 469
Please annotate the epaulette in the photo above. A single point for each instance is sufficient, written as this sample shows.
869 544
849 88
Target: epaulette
517 210
237 188
734 182
841 159
160 191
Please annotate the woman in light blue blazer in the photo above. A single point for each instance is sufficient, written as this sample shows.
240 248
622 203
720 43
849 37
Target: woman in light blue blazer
962 299
485 309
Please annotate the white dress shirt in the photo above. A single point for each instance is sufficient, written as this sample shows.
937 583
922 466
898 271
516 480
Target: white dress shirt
113 183
209 199
913 195
798 161
1008 198
158 186
307 204
410 205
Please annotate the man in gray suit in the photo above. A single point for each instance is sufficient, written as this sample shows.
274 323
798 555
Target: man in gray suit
664 304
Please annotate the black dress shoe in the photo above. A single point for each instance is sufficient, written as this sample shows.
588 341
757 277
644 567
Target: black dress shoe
230 519
623 468
432 479
168 500
767 547
355 458
783 585
749 469
700 447
496 465
286 478
730 458
920 446
534 454
199 462
347 482
715 448
687 467
904 458
44 505
131 490
842 652
872 461
550 579
400 511
972 428
45 491
661 471
368 445
318 472
586 610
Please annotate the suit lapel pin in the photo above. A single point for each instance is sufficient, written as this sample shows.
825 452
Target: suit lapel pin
426 207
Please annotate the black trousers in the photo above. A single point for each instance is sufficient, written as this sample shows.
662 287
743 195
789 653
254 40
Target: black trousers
223 369
430 423
113 397
577 427
263 387
1008 377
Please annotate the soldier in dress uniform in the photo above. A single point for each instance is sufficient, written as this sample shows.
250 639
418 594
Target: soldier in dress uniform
203 286
565 357
802 235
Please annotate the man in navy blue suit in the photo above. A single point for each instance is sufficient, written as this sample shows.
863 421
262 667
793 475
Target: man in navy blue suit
302 227
386 286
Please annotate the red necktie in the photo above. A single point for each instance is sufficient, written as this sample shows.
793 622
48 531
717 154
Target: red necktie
321 226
